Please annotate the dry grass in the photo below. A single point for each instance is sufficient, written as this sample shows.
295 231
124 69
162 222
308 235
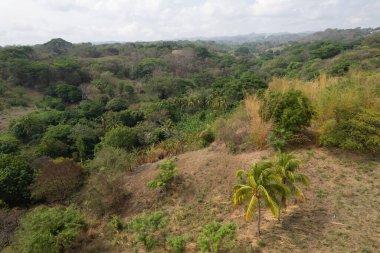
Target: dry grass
327 94
259 129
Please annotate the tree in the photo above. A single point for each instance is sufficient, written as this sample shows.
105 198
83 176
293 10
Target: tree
121 137
15 179
8 144
287 166
49 230
260 184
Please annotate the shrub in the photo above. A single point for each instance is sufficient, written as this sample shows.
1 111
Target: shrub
168 171
8 144
291 110
68 93
53 148
15 179
207 137
177 243
147 227
111 159
49 230
216 236
121 137
106 193
117 104
355 130
26 127
57 180
9 221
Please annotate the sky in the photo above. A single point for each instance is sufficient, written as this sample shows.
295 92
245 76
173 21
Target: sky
37 21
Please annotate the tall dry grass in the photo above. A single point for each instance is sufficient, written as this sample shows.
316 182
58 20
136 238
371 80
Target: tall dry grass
327 94
259 129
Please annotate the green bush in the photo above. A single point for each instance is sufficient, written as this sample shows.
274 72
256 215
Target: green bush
15 179
49 230
51 102
168 171
8 144
177 243
56 141
207 137
147 227
216 236
68 93
355 130
114 159
291 111
117 104
121 137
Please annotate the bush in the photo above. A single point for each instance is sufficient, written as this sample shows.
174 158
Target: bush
106 193
56 141
355 130
121 137
117 104
111 159
49 230
147 227
15 179
216 236
290 110
177 243
68 93
26 127
207 136
168 171
57 180
8 144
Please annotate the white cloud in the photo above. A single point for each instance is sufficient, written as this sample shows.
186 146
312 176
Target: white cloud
37 21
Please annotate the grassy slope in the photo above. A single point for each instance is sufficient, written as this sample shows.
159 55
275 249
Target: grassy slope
341 214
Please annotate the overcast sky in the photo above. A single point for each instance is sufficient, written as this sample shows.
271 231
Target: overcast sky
37 21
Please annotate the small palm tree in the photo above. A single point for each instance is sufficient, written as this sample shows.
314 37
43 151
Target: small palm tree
259 184
286 166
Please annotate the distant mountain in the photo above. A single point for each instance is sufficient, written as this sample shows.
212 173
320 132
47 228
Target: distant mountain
255 37
340 34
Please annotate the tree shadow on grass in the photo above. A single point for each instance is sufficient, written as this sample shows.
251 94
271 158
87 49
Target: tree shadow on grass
298 230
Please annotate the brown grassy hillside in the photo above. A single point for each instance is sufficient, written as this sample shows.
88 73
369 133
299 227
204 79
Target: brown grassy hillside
341 213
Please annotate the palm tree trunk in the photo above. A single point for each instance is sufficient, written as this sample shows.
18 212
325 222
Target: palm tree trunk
259 217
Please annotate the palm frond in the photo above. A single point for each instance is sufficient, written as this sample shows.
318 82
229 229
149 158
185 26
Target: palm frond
269 201
251 208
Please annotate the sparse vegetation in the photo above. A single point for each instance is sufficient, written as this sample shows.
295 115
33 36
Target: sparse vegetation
100 126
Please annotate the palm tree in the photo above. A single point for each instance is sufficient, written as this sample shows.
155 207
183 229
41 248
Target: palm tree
286 166
260 184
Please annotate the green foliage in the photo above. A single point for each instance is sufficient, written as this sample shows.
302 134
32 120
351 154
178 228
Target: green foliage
15 179
168 172
147 227
207 136
147 66
8 144
216 237
56 141
117 104
291 110
278 138
51 102
324 50
114 159
115 223
121 137
355 130
68 93
49 230
177 243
